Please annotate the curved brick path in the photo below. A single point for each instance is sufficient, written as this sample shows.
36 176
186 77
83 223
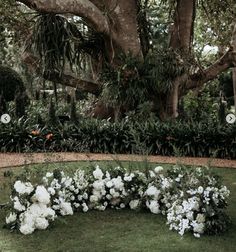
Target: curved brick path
19 159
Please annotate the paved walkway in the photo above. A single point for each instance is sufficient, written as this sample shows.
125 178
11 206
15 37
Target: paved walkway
20 159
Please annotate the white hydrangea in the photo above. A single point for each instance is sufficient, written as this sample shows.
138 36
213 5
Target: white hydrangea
26 229
153 192
41 195
23 188
128 177
85 207
66 208
93 199
158 169
134 204
109 184
98 185
97 173
36 217
154 206
17 205
51 191
41 223
118 183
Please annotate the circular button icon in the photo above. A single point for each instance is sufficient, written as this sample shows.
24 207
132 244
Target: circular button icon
5 118
231 118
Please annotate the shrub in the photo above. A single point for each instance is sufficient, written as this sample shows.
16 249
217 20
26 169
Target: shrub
10 81
90 135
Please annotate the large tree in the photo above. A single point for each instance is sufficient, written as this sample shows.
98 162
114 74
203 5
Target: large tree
125 28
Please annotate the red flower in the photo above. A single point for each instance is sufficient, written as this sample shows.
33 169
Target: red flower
49 136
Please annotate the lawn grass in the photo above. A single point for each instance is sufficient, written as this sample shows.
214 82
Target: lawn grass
115 230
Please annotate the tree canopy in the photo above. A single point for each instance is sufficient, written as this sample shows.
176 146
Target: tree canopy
150 48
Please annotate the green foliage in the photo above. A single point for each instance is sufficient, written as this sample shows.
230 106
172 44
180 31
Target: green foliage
73 113
20 103
124 86
226 85
10 81
134 83
3 105
167 139
58 40
52 41
52 119
162 66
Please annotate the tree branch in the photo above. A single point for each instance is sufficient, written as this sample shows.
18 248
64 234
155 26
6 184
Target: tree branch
63 78
197 80
72 81
82 8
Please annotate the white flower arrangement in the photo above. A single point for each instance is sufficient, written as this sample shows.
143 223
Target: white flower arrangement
192 200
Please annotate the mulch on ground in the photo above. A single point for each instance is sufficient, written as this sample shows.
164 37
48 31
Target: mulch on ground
21 159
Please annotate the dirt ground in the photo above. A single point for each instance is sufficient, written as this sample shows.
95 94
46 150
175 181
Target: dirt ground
19 159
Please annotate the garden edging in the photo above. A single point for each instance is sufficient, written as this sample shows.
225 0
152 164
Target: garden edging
19 159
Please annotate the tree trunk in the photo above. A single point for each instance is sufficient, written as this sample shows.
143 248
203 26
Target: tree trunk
181 40
234 86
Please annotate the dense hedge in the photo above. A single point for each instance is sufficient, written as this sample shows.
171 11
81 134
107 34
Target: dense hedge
176 138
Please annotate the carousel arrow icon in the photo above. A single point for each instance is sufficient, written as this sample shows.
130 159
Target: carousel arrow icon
5 118
230 118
